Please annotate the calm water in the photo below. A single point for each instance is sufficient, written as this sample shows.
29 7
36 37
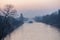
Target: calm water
34 31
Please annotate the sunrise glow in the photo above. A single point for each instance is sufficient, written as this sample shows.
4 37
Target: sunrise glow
32 4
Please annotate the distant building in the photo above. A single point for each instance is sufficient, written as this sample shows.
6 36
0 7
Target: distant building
21 18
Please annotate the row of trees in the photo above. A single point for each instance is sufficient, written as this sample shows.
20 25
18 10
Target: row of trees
53 19
7 21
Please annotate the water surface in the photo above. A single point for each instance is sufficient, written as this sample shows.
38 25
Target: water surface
34 31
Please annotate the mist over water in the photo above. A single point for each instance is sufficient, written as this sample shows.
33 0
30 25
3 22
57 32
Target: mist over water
34 31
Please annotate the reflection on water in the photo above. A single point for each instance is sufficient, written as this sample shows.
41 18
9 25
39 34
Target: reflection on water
35 31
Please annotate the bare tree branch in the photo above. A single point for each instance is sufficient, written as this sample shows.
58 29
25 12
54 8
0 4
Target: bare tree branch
8 10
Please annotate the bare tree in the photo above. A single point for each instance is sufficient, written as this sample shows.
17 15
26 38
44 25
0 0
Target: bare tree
7 11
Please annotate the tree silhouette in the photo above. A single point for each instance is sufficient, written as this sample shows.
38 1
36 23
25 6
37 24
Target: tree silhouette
52 19
7 11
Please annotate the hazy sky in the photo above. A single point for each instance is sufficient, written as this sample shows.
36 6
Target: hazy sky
33 7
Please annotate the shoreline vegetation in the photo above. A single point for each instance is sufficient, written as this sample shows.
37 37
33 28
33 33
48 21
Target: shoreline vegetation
52 19
7 22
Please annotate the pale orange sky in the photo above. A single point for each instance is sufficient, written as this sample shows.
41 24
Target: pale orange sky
35 7
32 4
